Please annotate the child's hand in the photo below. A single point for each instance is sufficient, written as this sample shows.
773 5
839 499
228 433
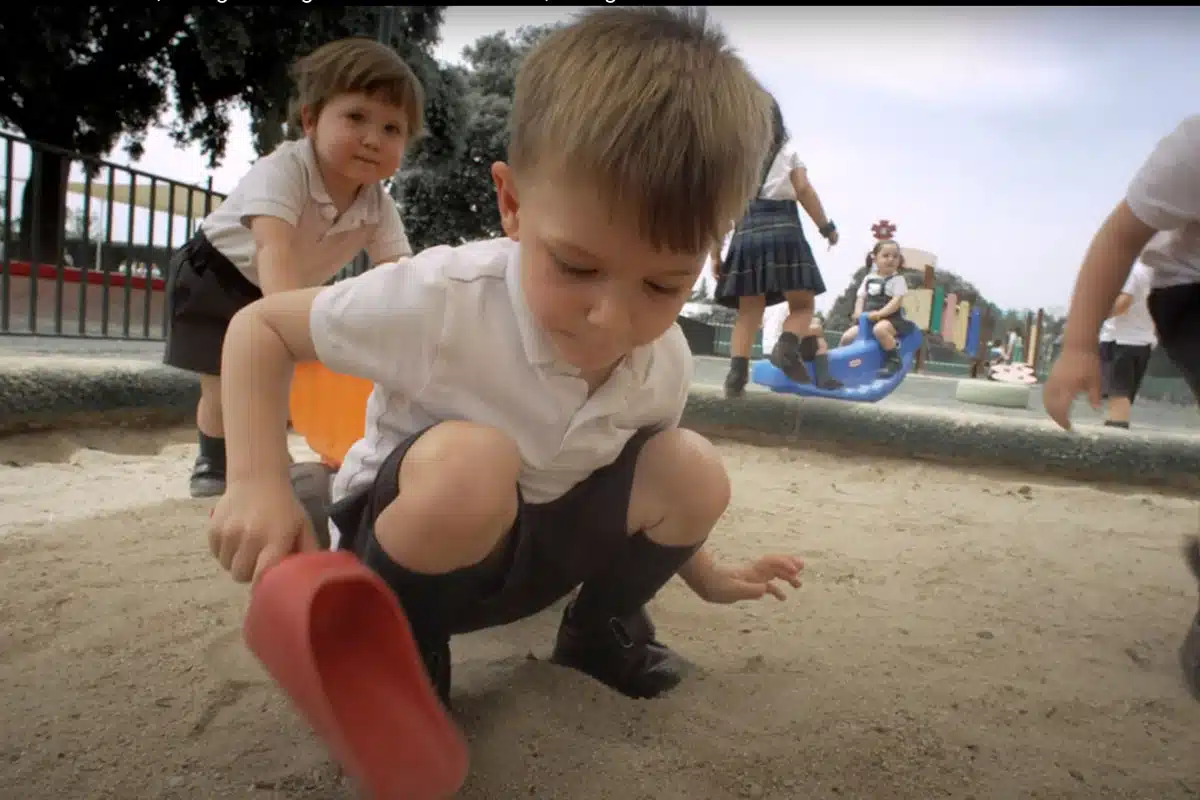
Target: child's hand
873 316
255 525
753 581
1077 371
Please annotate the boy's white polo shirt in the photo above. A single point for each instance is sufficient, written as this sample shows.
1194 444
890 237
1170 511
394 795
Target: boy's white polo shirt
287 184
1165 194
447 335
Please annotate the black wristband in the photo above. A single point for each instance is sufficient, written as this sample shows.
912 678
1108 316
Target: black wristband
827 229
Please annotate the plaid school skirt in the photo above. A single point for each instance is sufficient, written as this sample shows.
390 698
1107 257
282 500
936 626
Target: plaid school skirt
768 256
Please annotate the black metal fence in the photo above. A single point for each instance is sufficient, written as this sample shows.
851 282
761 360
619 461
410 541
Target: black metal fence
86 244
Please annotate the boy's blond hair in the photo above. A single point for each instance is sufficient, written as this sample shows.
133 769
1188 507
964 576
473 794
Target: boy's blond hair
654 108
356 66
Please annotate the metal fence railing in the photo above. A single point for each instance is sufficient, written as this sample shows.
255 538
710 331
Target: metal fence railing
86 244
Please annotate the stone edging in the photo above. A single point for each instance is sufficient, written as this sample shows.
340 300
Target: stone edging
55 392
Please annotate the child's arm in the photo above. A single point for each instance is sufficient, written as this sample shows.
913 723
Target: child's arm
272 195
1163 196
390 242
354 327
807 197
1121 306
1106 266
860 300
275 254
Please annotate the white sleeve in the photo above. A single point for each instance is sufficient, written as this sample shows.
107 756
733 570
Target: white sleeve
862 288
897 286
390 242
385 324
792 160
276 186
1165 192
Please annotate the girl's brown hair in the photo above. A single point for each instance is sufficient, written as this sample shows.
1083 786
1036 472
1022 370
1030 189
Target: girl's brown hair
879 245
355 66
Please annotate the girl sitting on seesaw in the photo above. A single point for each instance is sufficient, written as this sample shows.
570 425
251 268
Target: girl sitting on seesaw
879 297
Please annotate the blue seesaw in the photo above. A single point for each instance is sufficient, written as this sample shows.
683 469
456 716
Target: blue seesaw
856 365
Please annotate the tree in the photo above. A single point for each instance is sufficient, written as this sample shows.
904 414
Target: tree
221 60
78 78
451 200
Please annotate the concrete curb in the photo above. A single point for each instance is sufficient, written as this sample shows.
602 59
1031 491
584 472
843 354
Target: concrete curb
58 392
1098 455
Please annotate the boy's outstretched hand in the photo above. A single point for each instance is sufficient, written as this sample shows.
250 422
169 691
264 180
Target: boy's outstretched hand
753 581
1077 371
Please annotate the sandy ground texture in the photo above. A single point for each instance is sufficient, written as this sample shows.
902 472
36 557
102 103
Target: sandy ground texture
958 635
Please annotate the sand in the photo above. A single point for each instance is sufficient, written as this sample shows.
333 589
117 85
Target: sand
958 635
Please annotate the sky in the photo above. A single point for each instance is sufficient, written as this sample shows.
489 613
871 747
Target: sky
997 139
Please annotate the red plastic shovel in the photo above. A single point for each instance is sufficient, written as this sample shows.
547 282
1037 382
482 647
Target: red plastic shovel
334 638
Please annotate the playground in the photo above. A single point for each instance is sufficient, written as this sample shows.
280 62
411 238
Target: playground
936 648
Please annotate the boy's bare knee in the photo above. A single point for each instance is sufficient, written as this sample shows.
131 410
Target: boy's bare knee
680 489
458 482
884 329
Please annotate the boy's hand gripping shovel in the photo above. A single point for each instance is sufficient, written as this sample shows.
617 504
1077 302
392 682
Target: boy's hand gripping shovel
335 639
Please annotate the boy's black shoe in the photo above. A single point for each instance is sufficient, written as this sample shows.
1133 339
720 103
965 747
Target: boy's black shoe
623 654
786 358
821 373
892 363
737 377
208 478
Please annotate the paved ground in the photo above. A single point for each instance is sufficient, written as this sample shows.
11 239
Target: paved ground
916 390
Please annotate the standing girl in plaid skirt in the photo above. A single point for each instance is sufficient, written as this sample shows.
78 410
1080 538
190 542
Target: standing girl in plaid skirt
769 261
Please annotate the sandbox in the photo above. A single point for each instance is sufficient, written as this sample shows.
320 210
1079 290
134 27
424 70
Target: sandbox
958 634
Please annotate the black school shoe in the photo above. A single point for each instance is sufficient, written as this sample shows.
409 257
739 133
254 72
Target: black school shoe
892 363
737 377
208 478
786 358
623 655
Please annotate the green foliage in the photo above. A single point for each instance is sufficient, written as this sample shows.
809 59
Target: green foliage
81 77
451 200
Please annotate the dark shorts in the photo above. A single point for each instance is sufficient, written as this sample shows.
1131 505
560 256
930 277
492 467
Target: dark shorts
552 547
1122 367
1176 314
900 324
205 290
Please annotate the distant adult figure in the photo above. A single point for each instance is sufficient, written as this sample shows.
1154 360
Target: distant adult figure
1127 341
770 261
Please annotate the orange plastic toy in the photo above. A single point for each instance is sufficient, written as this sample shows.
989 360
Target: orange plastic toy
328 409
334 638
